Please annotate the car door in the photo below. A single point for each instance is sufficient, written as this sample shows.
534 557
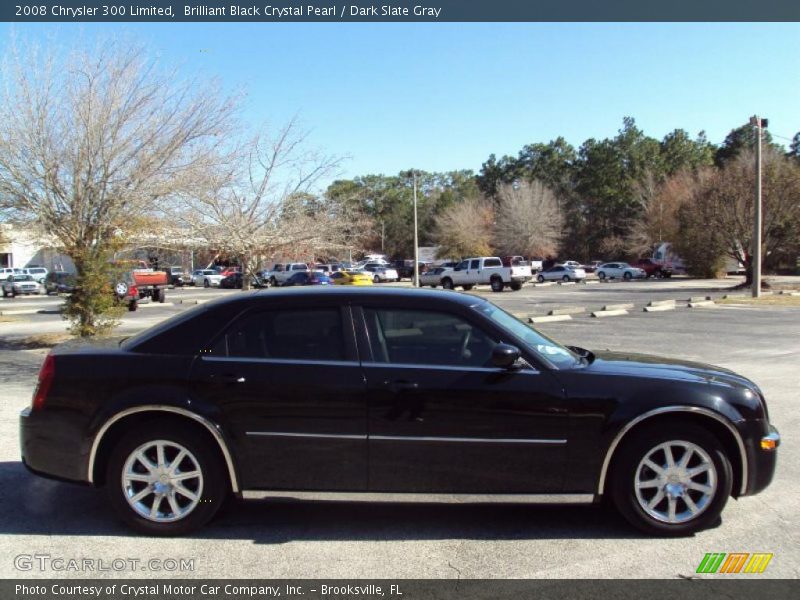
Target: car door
292 392
441 420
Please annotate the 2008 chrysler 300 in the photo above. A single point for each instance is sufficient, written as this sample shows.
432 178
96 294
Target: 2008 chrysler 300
401 394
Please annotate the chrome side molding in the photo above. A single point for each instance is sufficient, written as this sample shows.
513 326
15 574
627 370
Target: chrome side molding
212 429
674 409
422 498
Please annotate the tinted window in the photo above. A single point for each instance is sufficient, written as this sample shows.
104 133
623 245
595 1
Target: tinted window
492 262
287 334
463 265
475 264
427 338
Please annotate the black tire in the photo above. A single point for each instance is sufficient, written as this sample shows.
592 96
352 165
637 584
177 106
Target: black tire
273 282
468 287
627 276
376 279
565 278
515 286
214 489
497 284
628 467
157 295
133 305
206 283
162 296
447 283
601 275
5 293
666 275
540 279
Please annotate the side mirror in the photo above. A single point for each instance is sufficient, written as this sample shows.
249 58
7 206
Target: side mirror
505 356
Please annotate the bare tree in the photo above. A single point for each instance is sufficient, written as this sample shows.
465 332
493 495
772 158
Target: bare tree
529 221
262 205
90 142
465 229
720 214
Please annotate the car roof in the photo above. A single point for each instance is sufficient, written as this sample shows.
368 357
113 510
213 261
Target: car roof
346 293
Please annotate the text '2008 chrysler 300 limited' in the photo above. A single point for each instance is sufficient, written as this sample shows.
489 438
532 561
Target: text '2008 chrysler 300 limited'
390 394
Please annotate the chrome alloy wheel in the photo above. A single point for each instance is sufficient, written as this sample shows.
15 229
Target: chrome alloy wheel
675 482
162 481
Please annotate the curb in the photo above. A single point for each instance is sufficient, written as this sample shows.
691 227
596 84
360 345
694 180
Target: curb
701 304
617 307
661 308
592 282
609 313
661 303
566 283
549 319
699 298
566 311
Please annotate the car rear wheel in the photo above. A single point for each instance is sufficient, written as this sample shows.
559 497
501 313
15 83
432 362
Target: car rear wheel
376 279
206 283
516 286
133 305
162 480
540 279
672 480
447 283
601 275
565 278
497 284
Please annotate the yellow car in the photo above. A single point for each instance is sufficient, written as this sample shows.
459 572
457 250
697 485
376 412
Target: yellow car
351 278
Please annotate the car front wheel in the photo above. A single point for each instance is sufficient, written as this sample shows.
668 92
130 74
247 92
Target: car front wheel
447 283
497 284
165 481
540 279
601 275
672 480
627 276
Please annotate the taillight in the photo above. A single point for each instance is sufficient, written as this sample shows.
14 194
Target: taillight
133 291
46 375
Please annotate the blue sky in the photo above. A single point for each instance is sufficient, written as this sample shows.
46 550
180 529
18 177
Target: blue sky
444 96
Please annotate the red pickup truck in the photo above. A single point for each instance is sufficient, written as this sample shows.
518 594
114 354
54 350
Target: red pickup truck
653 269
135 280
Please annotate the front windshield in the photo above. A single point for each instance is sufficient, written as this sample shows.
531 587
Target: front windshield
550 351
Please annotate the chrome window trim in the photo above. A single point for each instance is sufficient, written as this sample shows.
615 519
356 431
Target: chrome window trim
417 497
281 361
170 409
675 409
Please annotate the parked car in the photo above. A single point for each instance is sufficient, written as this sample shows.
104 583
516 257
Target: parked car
176 276
485 270
38 273
592 266
235 281
652 268
132 285
405 268
328 268
573 264
308 278
6 272
58 282
537 264
281 273
19 284
620 270
381 272
561 273
351 277
206 278
433 277
437 394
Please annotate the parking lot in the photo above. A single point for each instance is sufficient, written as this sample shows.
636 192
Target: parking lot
284 539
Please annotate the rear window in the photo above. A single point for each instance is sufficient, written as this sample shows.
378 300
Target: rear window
492 262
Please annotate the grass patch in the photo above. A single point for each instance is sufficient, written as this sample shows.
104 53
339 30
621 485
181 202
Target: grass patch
35 342
777 300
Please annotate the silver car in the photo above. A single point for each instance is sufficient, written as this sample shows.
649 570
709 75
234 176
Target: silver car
381 272
19 284
562 273
620 270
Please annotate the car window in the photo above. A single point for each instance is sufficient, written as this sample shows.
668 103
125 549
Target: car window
463 265
475 264
313 334
420 337
492 262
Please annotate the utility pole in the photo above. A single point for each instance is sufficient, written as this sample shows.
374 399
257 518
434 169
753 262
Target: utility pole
416 236
755 253
383 235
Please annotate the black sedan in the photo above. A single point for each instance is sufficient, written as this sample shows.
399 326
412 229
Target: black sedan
235 281
308 278
405 394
